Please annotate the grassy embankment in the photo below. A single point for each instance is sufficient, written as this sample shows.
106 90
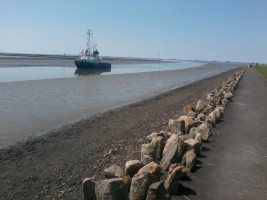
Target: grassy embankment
262 70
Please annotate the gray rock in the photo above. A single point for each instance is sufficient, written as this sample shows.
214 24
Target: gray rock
152 168
187 109
211 97
192 133
88 187
189 159
147 153
111 189
114 171
192 114
176 125
140 185
146 159
192 144
201 104
201 117
127 181
132 167
198 137
157 191
172 153
204 130
154 135
227 95
166 134
158 143
185 137
176 172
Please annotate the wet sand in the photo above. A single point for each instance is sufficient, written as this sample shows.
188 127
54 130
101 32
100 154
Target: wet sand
29 108
53 165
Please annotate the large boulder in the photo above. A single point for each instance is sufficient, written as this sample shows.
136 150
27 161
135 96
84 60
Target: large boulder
211 97
157 191
176 125
140 185
201 117
201 104
187 108
192 114
114 171
166 134
147 153
154 135
185 137
132 167
158 143
189 159
176 172
192 144
111 189
204 130
88 187
152 168
172 153
227 95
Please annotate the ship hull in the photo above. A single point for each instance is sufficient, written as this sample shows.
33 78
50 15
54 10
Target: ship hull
83 64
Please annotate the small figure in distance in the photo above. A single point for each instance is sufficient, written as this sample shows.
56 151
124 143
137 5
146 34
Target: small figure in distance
257 65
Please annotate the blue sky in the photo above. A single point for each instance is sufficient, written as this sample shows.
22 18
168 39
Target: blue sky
222 30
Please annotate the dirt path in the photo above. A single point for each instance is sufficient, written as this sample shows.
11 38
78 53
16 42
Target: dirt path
53 166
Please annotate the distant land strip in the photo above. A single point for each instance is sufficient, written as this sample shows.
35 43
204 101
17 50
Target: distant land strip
66 56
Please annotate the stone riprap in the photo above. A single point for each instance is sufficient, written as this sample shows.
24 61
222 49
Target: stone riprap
169 155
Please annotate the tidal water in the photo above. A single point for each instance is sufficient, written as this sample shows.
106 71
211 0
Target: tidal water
35 106
36 72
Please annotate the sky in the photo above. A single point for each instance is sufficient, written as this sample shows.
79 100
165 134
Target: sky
220 30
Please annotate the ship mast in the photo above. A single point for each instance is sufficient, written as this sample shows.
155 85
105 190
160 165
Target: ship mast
90 35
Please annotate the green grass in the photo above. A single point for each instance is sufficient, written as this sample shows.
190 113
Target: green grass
262 71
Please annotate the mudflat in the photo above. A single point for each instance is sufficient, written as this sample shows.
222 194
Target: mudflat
32 107
53 165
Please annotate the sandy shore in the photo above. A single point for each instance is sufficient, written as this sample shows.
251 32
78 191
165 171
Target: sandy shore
52 166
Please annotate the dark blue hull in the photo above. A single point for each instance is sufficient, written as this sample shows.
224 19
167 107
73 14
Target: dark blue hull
91 65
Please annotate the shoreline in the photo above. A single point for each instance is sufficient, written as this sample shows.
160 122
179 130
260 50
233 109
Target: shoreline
33 127
56 162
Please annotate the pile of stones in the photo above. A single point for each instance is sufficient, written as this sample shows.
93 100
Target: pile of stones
169 156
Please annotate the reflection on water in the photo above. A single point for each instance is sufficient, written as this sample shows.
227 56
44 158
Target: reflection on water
87 72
